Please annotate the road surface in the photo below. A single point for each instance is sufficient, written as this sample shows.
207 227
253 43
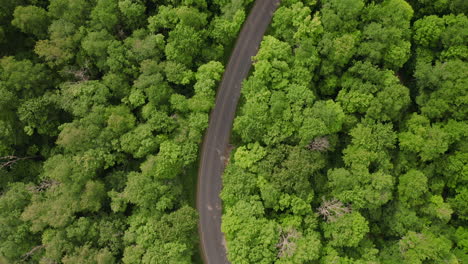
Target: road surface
219 130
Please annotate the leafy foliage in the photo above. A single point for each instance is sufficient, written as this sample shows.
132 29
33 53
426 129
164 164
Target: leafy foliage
355 112
350 140
104 104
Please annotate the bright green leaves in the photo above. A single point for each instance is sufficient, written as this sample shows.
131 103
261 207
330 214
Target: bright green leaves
177 73
460 201
324 118
304 248
140 141
341 16
225 29
80 98
133 13
93 195
295 23
346 231
70 10
23 77
282 177
337 51
348 69
31 20
441 38
158 177
167 239
167 254
362 189
373 92
429 141
373 137
95 44
127 101
15 236
89 255
183 44
56 209
151 84
60 49
272 50
150 193
289 170
428 30
438 209
239 184
23 104
105 15
174 227
39 114
396 13
207 77
69 188
369 148
251 238
420 247
251 125
115 109
276 105
210 72
272 63
143 46
442 89
168 17
25 109
120 119
340 40
367 183
411 187
64 34
386 38
170 159
455 34
245 157
72 244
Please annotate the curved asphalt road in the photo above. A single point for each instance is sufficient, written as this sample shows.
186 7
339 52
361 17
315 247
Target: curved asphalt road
219 130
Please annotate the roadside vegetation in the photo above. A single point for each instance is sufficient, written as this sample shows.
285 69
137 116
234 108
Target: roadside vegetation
351 137
103 104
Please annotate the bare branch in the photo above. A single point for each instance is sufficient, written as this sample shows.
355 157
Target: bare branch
287 245
43 186
319 144
9 161
32 252
333 209
79 75
82 74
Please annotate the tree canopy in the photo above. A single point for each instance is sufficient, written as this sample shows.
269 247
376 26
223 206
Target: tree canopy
349 144
351 137
103 108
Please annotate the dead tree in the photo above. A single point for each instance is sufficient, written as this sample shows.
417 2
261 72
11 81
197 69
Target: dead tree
287 244
319 144
43 186
31 252
333 209
9 161
81 74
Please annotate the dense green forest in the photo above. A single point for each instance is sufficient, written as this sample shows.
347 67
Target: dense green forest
350 140
103 104
351 137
